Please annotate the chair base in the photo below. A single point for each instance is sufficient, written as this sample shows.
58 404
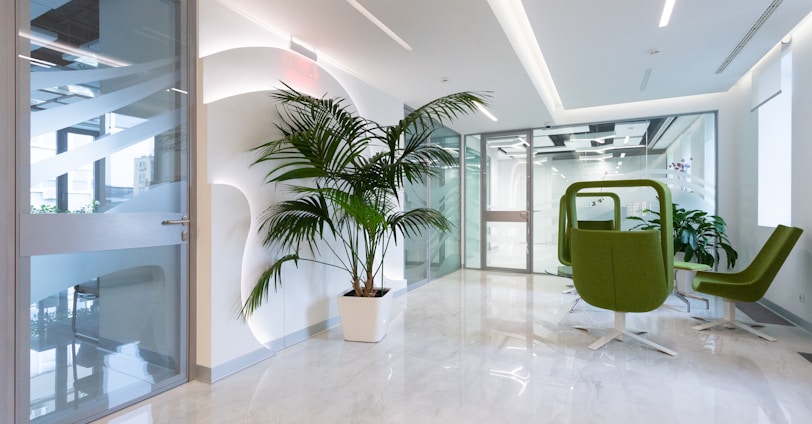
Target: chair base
729 321
620 331
575 303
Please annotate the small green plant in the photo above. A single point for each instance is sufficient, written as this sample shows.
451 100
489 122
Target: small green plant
697 233
46 209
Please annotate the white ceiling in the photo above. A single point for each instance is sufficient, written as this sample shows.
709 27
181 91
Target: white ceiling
597 51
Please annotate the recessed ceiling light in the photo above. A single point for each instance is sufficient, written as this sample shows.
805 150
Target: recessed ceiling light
372 18
486 112
516 26
666 17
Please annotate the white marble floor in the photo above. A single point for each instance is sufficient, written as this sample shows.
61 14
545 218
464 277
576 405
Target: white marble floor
480 347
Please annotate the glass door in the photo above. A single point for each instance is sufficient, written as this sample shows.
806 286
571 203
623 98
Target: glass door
506 211
104 238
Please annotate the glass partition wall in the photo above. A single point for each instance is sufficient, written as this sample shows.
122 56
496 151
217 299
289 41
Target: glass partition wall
104 238
435 253
679 150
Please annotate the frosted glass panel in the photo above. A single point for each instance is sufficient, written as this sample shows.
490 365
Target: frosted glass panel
105 328
108 183
506 245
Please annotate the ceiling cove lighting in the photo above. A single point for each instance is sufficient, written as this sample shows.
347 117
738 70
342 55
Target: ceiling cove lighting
669 7
486 112
372 18
516 26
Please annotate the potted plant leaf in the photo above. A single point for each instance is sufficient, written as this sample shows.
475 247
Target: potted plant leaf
345 175
697 234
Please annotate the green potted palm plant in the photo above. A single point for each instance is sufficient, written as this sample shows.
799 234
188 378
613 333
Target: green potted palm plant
345 176
697 234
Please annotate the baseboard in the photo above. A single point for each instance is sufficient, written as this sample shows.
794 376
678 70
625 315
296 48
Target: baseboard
789 316
210 375
306 333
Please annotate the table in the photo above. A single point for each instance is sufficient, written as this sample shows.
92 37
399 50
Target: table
684 275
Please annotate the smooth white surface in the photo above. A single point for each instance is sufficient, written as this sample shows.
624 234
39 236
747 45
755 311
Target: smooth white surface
239 117
774 150
501 348
365 319
597 52
229 338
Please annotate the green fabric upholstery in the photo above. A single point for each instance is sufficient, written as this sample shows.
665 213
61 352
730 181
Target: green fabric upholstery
750 284
564 255
666 241
619 270
691 266
623 271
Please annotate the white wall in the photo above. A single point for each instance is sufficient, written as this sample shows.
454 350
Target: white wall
240 61
794 280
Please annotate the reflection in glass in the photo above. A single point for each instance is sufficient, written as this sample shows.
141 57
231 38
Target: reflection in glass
444 195
415 251
506 246
105 92
108 106
434 253
473 194
104 328
678 150
506 167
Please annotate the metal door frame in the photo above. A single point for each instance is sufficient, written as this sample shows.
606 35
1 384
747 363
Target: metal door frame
15 390
506 216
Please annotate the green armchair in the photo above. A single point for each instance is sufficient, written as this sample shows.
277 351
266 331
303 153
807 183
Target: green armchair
564 254
622 271
750 284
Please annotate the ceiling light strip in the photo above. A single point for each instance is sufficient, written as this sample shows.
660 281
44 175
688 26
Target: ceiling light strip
516 26
750 33
63 47
379 24
646 76
486 112
666 17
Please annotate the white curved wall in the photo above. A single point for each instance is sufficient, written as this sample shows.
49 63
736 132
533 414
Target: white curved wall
241 61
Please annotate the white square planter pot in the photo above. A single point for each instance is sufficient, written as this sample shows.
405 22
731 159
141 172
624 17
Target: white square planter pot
365 319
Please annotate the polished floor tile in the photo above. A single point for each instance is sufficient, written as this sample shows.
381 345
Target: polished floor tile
486 347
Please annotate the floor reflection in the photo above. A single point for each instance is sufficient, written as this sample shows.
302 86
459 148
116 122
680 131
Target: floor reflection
497 347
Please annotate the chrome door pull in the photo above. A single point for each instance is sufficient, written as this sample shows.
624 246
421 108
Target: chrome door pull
184 220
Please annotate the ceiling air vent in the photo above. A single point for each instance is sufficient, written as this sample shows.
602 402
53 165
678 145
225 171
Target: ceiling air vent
750 33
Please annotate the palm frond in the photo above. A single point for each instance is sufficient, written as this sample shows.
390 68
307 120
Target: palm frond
344 199
261 289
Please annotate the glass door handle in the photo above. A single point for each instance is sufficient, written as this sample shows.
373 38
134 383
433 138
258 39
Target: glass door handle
523 213
184 220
